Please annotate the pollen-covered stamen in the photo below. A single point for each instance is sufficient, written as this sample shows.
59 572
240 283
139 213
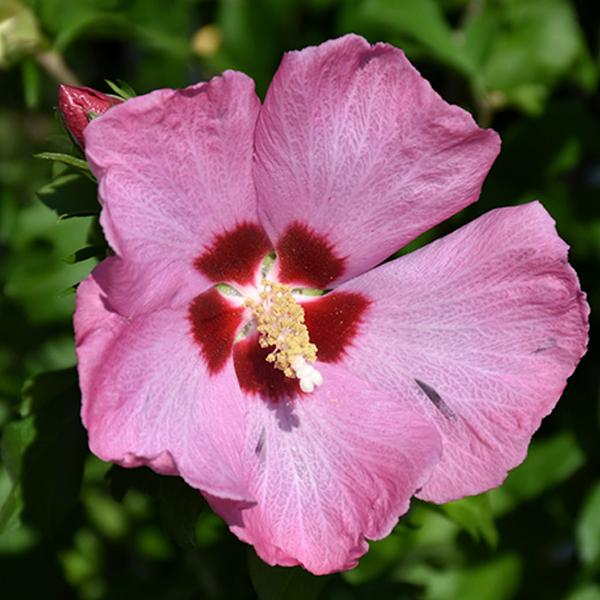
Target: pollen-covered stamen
280 324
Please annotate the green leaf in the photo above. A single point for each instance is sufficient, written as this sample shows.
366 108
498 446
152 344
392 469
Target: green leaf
180 506
209 529
16 438
242 23
45 452
70 195
85 254
67 21
10 511
385 554
66 159
475 515
35 273
45 388
291 583
15 536
497 579
548 463
585 592
121 89
107 515
419 20
53 463
588 529
525 47
31 83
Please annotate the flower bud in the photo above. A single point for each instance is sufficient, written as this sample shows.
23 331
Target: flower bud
79 105
19 32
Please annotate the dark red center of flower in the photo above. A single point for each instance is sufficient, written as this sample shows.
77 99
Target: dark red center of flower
332 320
235 255
215 323
307 258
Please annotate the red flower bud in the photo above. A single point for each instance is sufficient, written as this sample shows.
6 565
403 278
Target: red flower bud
79 105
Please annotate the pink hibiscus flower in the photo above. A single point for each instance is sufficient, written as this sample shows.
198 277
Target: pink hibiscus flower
309 420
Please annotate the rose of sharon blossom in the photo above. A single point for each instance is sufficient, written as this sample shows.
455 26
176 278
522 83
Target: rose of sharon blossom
309 419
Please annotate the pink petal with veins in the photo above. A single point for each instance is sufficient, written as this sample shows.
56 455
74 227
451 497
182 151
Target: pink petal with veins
478 332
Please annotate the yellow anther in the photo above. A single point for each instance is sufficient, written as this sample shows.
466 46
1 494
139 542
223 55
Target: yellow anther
280 324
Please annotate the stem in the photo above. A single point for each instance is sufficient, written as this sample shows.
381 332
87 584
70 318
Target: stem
54 64
485 112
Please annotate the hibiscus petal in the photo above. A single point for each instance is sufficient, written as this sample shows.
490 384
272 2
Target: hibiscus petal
148 398
356 155
132 287
328 470
174 169
479 332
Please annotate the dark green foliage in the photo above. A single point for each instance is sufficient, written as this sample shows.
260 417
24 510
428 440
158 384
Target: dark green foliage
70 195
74 527
272 583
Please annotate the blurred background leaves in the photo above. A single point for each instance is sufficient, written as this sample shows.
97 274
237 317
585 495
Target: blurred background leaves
74 527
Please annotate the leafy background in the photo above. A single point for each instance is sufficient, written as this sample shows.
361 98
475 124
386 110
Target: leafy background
74 527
